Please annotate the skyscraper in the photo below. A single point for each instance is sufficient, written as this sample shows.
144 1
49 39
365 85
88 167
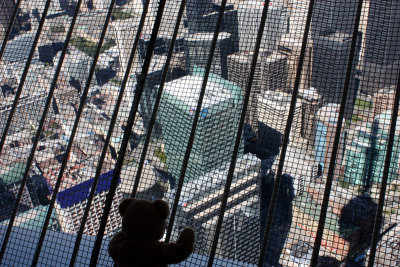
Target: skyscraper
125 33
331 55
195 9
383 100
273 111
229 24
311 103
334 15
239 65
298 10
72 201
326 123
168 20
215 134
381 61
249 15
200 200
6 9
30 107
290 46
270 75
383 32
10 182
197 50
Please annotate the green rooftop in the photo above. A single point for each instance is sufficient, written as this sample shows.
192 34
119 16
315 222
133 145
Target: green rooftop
34 219
15 174
313 209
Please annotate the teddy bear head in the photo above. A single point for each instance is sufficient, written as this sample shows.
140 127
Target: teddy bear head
143 219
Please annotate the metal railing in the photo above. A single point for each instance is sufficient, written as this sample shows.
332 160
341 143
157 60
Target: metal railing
133 113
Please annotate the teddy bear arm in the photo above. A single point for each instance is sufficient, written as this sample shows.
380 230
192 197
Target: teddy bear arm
114 245
179 251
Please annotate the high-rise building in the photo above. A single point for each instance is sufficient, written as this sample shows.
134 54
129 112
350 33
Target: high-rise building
274 71
6 9
334 16
72 201
358 157
290 46
18 49
270 75
383 32
381 59
326 123
239 65
216 128
99 4
27 112
383 100
168 20
249 16
298 10
77 66
294 181
365 157
148 98
197 50
331 55
381 134
273 111
150 186
66 5
311 103
10 181
200 201
195 10
125 33
30 106
229 24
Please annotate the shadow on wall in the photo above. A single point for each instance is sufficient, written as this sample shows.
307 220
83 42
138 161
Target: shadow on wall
359 212
282 217
357 217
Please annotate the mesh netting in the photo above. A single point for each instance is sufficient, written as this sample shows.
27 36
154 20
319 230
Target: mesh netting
269 127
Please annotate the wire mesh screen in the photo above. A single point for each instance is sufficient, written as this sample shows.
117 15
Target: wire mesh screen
269 127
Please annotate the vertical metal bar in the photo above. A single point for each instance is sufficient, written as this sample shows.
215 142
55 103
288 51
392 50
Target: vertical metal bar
9 29
127 133
238 134
382 193
108 137
17 96
158 99
332 163
195 120
72 136
275 191
38 132
23 77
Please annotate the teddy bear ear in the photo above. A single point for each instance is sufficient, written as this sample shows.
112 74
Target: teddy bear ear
124 205
162 207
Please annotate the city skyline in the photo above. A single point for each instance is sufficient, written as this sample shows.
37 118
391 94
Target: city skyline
200 140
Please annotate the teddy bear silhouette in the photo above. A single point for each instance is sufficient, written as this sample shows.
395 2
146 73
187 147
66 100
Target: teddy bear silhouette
143 225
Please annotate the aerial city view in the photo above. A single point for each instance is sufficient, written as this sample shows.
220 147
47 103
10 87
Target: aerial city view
70 88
